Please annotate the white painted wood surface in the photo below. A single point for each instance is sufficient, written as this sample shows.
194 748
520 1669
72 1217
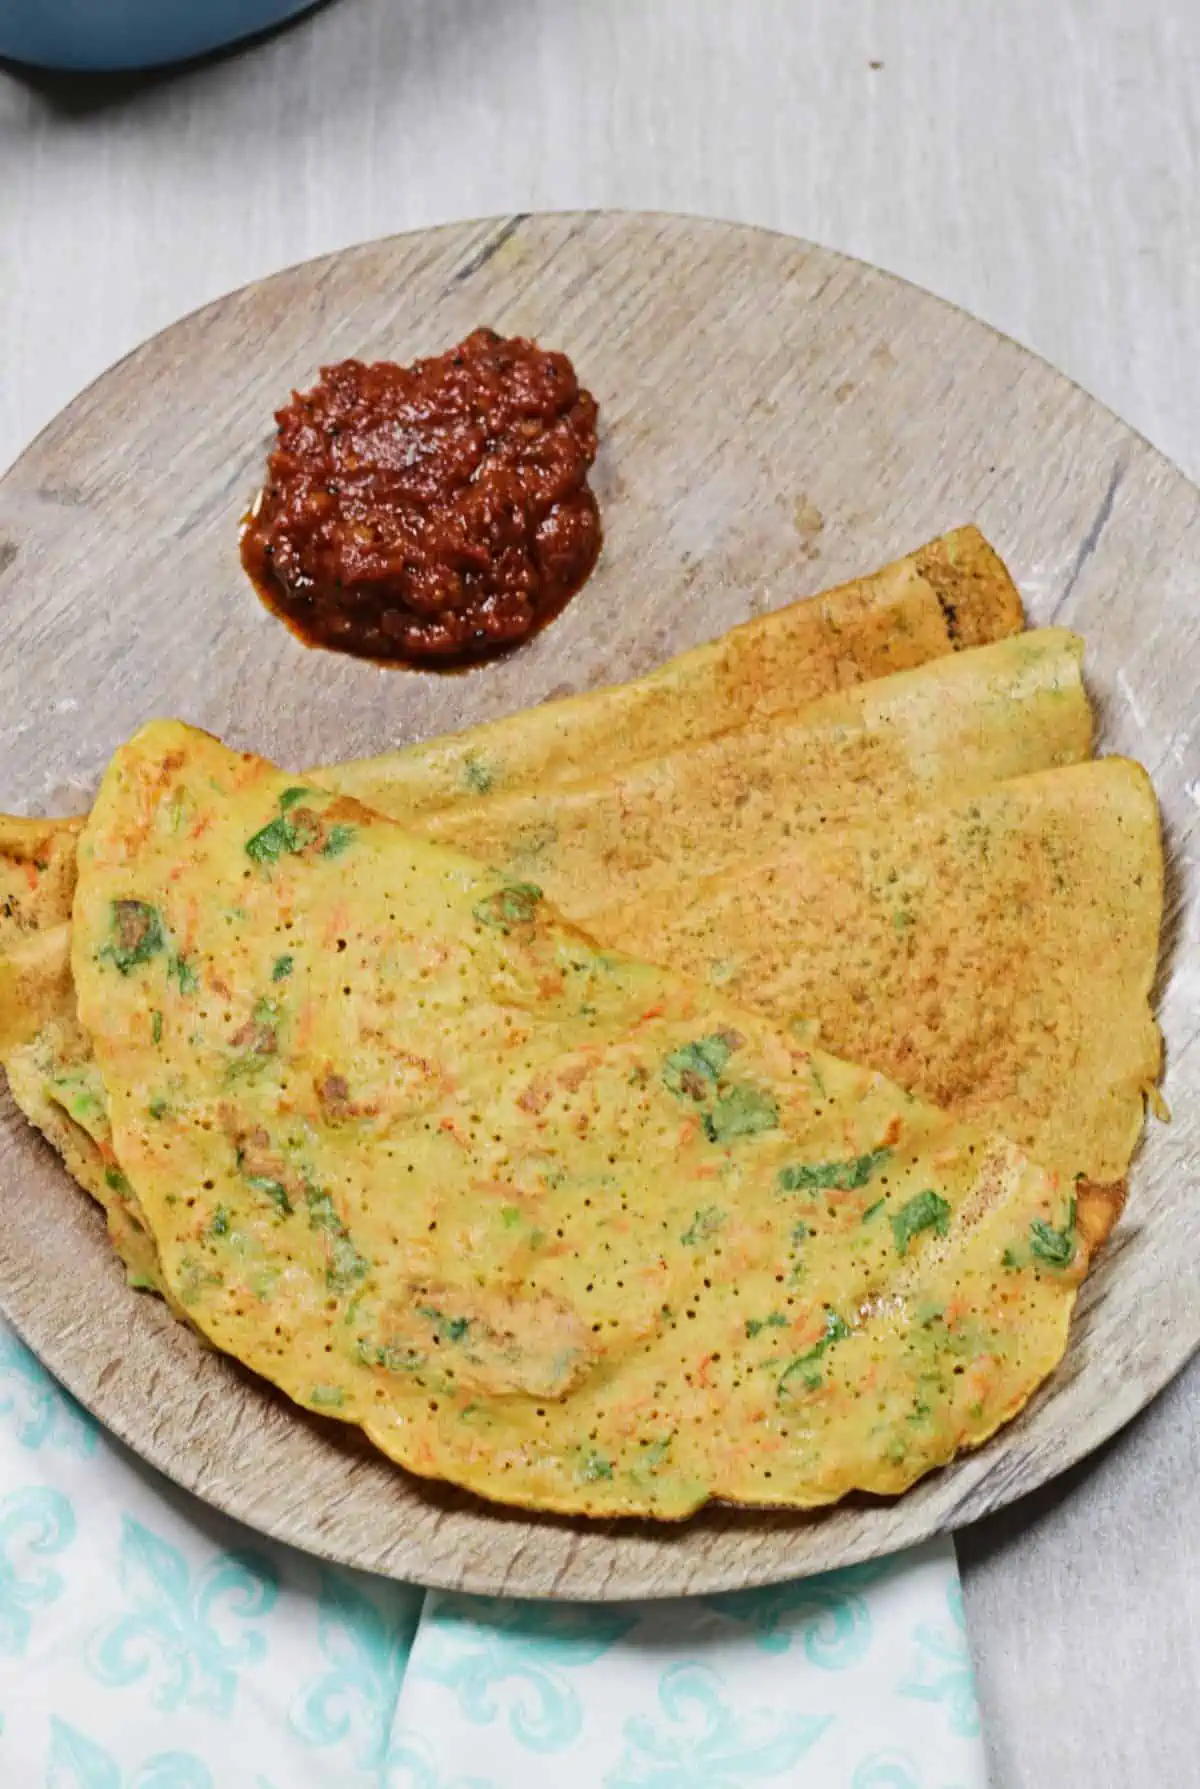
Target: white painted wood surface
1038 164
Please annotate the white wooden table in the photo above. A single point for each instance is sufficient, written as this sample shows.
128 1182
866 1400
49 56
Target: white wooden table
1038 164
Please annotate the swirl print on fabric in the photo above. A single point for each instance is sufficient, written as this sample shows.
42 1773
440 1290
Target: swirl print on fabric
187 1630
790 1685
895 1770
365 1643
34 1523
508 1660
828 1615
77 1762
40 1413
703 1743
943 1671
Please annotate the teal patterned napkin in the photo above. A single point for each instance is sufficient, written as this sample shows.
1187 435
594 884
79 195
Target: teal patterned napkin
148 1643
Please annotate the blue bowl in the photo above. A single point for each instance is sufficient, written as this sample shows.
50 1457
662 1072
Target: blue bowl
123 34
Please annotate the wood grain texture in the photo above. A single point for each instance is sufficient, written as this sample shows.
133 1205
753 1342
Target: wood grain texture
748 384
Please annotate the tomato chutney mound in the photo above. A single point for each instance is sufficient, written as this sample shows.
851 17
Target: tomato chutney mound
431 514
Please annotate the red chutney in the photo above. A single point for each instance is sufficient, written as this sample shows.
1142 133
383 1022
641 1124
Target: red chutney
433 514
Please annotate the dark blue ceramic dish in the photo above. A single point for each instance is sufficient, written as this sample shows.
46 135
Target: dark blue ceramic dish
122 34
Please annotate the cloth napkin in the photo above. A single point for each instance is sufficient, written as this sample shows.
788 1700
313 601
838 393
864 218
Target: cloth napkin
148 1643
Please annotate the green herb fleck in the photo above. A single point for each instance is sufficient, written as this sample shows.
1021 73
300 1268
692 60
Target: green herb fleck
245 1064
799 1235
219 1223
594 1467
871 1210
183 972
447 1329
476 776
281 836
510 1216
283 968
327 1397
842 1177
345 1266
340 837
927 1211
82 1102
390 1356
742 1112
756 1325
137 934
322 1214
691 1071
706 1223
291 797
157 1107
193 1278
156 1026
273 841
1055 1247
1010 1258
274 1190
114 1178
511 906
807 1365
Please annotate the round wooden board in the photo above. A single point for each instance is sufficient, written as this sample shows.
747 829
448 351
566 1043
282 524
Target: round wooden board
775 419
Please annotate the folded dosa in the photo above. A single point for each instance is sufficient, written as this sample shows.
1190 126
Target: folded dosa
558 1226
957 724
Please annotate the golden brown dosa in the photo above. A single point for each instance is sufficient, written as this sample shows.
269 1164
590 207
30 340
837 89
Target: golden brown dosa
565 1229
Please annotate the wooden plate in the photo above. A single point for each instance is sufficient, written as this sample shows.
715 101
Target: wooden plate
775 419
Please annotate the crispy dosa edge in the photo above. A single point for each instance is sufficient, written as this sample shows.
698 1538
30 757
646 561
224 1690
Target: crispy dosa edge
951 594
37 875
856 625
